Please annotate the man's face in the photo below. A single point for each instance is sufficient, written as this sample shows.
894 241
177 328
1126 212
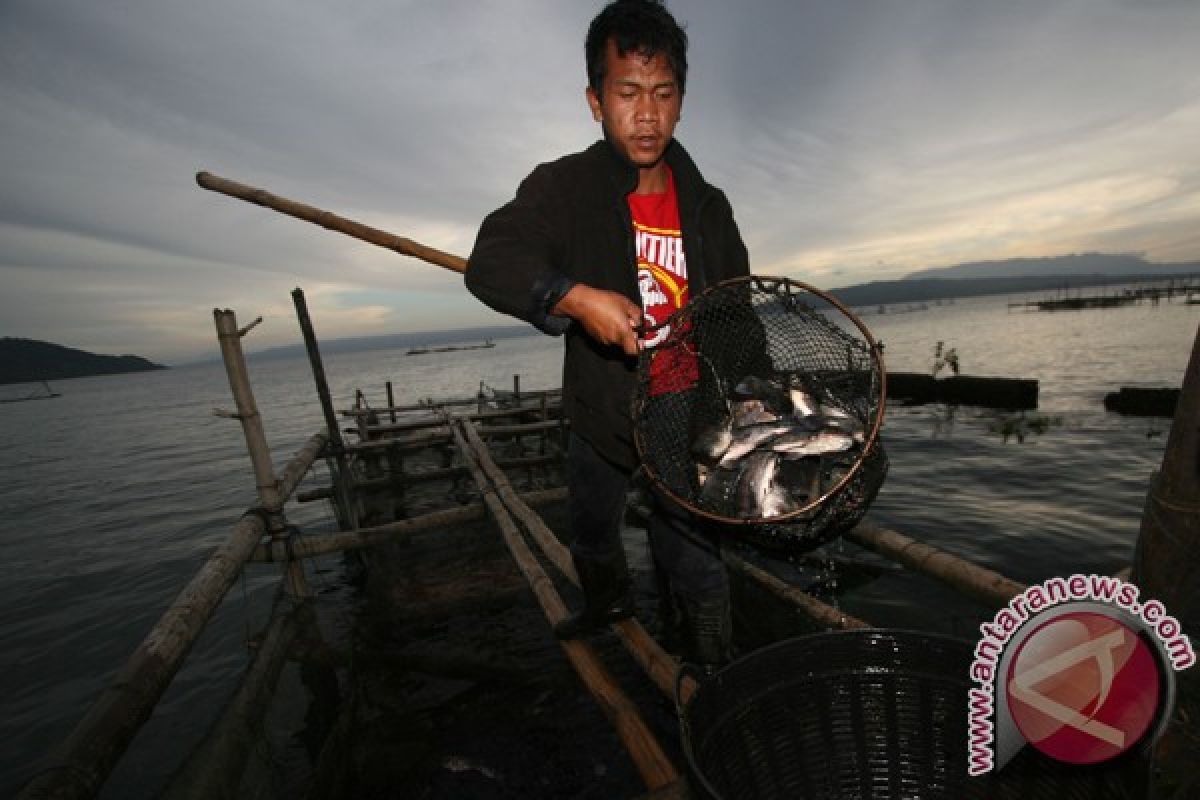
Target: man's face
638 105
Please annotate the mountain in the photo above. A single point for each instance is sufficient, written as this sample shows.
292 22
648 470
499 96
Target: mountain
1124 265
25 360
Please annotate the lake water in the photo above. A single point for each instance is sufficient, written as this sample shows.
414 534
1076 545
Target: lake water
115 493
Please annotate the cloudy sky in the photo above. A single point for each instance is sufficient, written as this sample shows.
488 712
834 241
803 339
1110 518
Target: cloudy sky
857 140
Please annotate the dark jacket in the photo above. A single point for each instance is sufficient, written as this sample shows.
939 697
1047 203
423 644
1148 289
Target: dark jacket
569 223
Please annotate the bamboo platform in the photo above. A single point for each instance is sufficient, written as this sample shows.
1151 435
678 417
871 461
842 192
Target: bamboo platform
1183 288
459 477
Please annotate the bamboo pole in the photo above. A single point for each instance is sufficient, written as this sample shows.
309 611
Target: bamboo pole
269 496
230 339
433 421
651 762
658 665
519 429
321 544
82 763
327 219
439 435
425 476
341 478
215 767
552 393
983 584
819 612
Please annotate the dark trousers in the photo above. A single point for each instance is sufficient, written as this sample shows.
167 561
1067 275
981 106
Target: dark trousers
597 493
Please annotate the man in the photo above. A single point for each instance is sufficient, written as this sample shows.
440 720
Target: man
592 246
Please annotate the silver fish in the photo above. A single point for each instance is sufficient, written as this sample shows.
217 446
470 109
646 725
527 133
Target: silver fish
778 502
754 483
803 403
748 405
811 444
834 419
713 441
747 440
751 418
769 392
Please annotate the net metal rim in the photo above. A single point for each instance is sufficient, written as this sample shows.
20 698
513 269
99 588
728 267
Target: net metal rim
773 284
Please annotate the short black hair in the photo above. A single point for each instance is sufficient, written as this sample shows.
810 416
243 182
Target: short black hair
645 27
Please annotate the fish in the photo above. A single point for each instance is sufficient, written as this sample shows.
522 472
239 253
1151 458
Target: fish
771 394
835 419
774 448
755 481
747 440
748 405
778 501
802 444
803 404
712 442
752 418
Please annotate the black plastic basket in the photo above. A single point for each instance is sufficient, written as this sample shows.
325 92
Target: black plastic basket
864 714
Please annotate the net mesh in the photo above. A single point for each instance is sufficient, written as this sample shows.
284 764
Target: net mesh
761 408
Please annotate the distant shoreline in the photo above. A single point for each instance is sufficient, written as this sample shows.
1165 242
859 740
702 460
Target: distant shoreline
920 290
33 361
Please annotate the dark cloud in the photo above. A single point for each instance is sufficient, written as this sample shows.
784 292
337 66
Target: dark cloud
856 140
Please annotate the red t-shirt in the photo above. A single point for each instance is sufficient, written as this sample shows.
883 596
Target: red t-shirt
663 282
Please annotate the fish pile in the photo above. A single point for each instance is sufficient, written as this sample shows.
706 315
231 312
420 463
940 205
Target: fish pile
774 450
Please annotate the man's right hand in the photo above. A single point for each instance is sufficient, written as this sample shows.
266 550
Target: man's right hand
608 317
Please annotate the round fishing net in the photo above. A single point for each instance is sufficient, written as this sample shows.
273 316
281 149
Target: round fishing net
760 407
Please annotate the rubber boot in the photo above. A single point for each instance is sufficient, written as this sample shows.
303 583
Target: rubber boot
710 629
605 597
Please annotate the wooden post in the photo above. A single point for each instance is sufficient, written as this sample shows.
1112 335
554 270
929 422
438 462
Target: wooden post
391 398
1166 567
1167 560
517 390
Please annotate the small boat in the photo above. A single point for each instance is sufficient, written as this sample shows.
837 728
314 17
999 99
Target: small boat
417 351
42 394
